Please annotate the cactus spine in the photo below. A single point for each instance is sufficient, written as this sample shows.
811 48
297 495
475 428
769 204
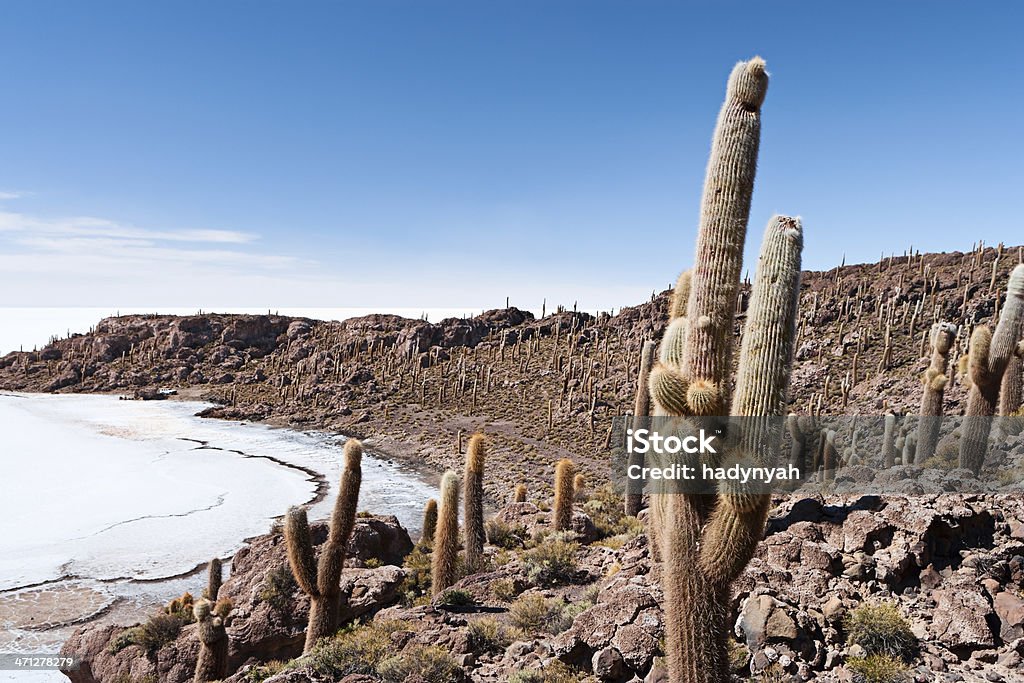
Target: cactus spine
705 545
429 521
473 494
212 664
562 513
445 556
988 356
934 380
321 580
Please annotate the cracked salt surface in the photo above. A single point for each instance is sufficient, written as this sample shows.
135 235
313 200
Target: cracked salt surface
124 496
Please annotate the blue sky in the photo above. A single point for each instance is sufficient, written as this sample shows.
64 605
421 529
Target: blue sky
448 154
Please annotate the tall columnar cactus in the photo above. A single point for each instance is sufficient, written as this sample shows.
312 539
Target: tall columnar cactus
565 472
429 521
935 379
321 580
641 409
988 355
1010 388
705 543
445 556
212 664
473 501
214 577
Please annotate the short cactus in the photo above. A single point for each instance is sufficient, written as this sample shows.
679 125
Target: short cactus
934 380
212 664
321 580
565 472
214 576
988 356
519 495
473 502
445 557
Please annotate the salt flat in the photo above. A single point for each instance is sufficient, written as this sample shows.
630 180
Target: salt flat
119 497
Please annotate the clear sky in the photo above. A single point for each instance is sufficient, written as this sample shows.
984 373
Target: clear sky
449 154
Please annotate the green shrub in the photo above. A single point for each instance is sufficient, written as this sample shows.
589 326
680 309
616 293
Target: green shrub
555 672
552 562
488 635
881 630
429 664
533 613
456 597
260 673
355 650
504 590
503 535
417 575
877 669
278 587
604 507
150 636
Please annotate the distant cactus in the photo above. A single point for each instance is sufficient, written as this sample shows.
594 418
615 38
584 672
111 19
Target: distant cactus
579 486
642 409
214 571
212 664
429 521
988 356
473 510
445 556
934 380
520 494
889 440
321 581
565 472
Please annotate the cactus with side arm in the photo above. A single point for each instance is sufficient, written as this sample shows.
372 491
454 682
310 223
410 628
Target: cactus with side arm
321 579
705 541
934 380
988 357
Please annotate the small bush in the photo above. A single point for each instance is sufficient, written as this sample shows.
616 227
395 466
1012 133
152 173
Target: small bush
373 563
555 672
534 613
881 630
504 590
355 650
455 597
488 635
429 664
260 673
552 562
417 575
278 587
877 669
150 636
505 536
604 507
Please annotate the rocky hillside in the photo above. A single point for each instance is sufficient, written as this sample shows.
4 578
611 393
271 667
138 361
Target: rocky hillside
541 388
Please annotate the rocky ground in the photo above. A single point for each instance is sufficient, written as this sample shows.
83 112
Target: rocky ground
547 388
953 566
